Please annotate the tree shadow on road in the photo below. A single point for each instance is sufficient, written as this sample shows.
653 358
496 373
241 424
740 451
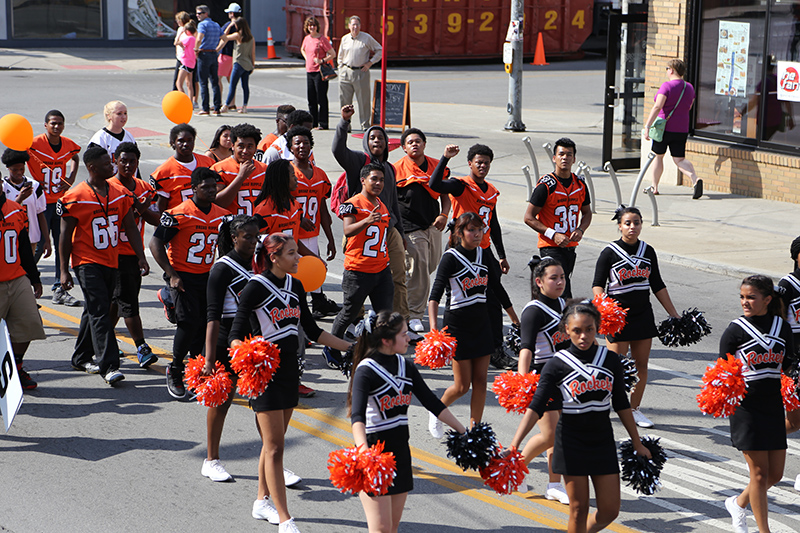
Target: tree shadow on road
90 448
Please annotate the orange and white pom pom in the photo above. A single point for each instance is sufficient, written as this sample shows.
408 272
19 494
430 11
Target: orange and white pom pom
436 350
255 362
723 388
515 391
211 391
789 392
612 316
504 475
354 470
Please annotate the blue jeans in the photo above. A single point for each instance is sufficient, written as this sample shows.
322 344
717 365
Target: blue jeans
237 73
207 70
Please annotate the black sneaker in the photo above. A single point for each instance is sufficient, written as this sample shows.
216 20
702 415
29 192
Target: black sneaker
25 379
698 190
175 381
169 308
332 358
145 355
501 361
323 305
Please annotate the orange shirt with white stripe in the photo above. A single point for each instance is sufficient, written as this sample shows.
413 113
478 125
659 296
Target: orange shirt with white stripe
228 169
194 233
143 193
475 200
49 167
173 179
287 222
366 251
13 221
311 194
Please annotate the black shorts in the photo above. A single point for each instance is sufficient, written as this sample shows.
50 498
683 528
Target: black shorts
127 285
187 69
190 305
675 141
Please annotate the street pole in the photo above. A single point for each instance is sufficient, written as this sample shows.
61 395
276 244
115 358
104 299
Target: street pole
383 67
515 80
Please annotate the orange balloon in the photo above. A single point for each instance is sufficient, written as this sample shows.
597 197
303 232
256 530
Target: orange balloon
177 107
312 272
16 132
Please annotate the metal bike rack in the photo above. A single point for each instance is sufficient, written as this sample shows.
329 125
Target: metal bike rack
527 142
583 168
549 149
529 184
648 191
608 167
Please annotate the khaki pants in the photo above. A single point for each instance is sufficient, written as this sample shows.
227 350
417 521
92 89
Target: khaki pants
422 257
397 263
355 82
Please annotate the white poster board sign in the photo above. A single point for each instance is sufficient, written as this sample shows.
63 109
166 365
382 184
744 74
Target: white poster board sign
789 81
10 387
732 51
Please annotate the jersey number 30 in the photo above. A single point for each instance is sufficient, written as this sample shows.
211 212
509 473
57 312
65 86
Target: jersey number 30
373 234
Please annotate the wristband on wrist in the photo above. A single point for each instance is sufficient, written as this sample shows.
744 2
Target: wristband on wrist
549 233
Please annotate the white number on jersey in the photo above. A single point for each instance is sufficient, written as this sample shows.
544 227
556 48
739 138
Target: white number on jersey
10 246
373 238
196 254
569 218
105 233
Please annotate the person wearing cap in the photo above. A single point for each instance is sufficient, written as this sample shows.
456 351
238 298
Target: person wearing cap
225 59
358 51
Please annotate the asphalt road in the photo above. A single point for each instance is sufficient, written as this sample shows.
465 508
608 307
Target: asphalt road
84 456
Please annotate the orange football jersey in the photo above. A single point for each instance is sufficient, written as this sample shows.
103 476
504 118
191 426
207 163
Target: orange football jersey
311 194
99 220
562 208
287 222
174 181
192 248
142 193
48 167
366 251
475 200
12 222
406 172
227 169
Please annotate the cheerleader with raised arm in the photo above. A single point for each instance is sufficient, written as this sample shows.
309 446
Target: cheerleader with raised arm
586 381
381 389
541 337
762 340
272 304
630 268
466 272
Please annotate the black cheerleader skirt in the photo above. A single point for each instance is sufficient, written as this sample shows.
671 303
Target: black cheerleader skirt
639 324
395 440
282 391
585 445
758 422
471 329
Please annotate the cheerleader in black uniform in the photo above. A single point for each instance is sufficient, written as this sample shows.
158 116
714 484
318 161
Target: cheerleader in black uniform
586 380
630 267
541 337
466 272
763 341
237 241
381 388
272 304
789 290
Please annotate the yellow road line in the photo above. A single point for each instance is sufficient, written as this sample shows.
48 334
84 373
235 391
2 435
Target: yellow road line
88 115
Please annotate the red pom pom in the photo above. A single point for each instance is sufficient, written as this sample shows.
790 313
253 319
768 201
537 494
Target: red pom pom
504 475
213 390
723 388
789 392
612 316
254 361
515 391
436 350
371 470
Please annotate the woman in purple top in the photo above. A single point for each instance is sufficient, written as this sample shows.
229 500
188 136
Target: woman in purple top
669 100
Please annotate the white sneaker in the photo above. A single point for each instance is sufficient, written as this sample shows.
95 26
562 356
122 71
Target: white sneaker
415 324
797 483
435 426
523 487
264 510
214 470
738 515
290 478
641 420
288 527
555 491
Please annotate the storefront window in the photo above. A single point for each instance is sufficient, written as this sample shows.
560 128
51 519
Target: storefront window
782 99
65 19
151 19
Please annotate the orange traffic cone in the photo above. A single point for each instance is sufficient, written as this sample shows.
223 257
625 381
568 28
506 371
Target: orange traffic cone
271 45
538 57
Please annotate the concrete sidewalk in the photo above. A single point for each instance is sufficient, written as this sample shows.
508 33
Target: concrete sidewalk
723 233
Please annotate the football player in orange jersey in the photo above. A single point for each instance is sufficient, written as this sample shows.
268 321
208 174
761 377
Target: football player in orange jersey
172 179
54 163
18 273
554 207
191 229
281 127
242 176
92 214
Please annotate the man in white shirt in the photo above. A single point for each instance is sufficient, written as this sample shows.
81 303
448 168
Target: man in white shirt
358 51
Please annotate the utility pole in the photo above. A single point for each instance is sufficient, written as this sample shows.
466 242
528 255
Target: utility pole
514 45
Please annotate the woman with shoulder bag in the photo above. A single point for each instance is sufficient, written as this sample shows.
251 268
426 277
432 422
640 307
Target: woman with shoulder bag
669 118
317 51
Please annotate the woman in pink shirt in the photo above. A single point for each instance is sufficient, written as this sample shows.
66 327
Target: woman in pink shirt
316 49
184 51
673 101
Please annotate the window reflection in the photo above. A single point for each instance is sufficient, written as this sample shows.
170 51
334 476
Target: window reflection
65 19
151 19
780 114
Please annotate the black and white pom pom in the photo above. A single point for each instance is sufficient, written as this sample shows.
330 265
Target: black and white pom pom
688 329
346 366
630 372
512 339
473 449
642 474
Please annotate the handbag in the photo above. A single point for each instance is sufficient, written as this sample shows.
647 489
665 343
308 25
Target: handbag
657 129
327 71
